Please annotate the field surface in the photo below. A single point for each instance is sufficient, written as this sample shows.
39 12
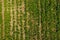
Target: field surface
29 19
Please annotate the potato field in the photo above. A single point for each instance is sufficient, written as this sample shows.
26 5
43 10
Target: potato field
29 19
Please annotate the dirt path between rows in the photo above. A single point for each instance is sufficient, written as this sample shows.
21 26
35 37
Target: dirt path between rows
11 21
15 17
3 19
19 27
23 21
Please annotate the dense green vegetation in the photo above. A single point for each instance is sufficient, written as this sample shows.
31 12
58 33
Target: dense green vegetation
30 20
